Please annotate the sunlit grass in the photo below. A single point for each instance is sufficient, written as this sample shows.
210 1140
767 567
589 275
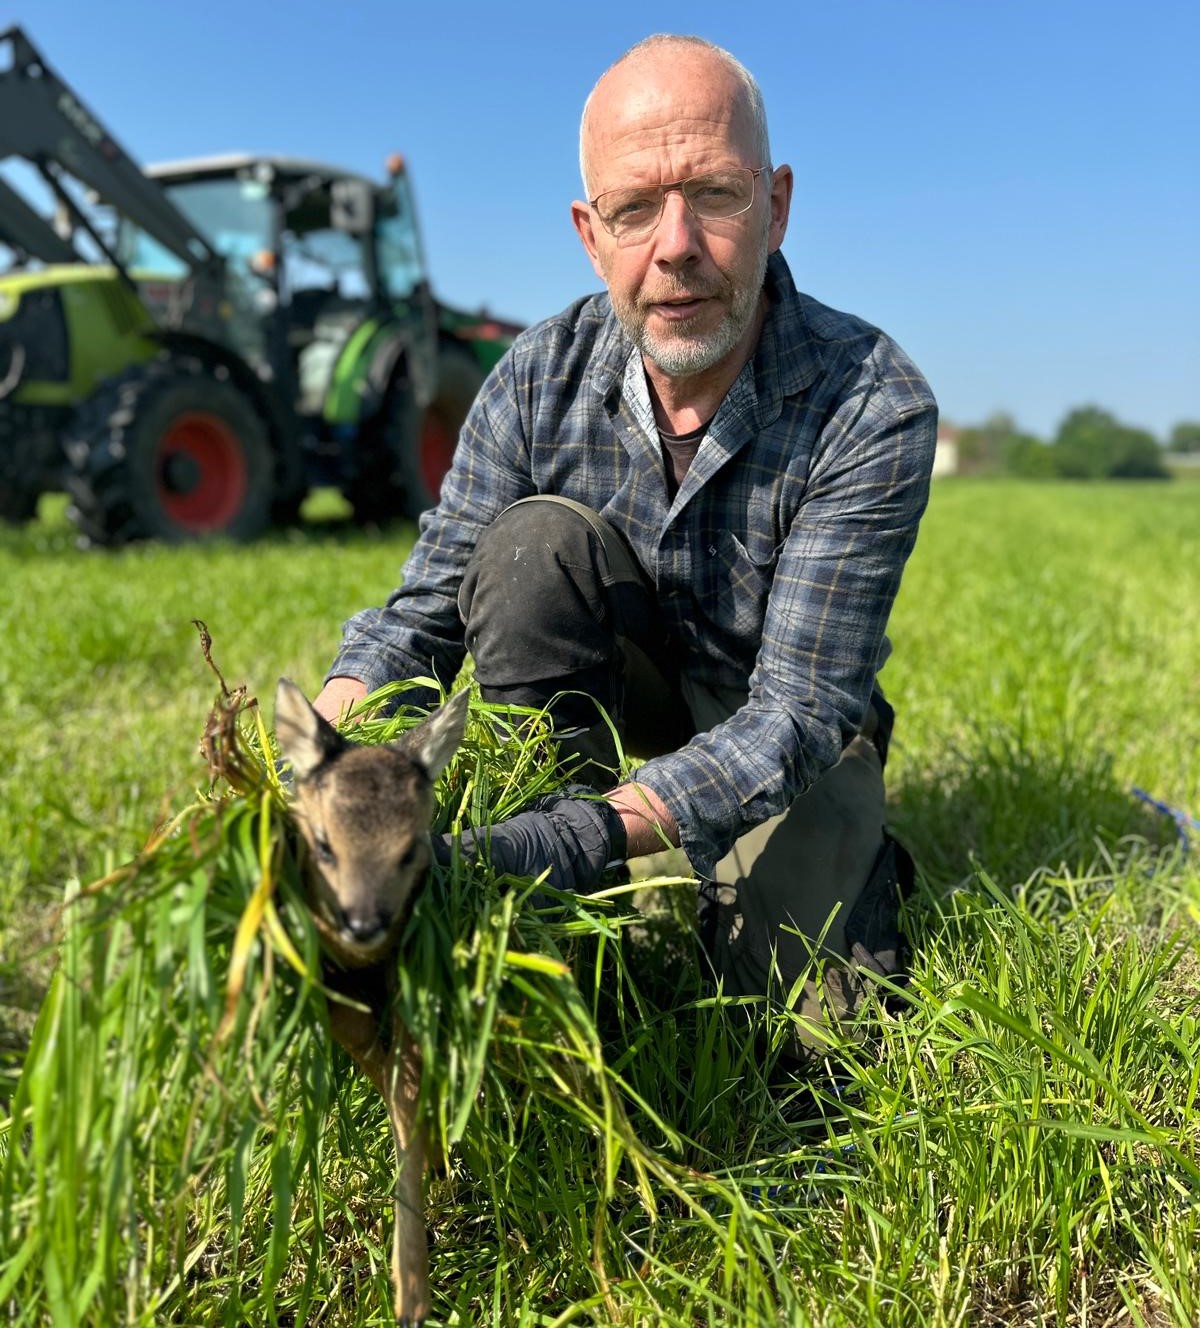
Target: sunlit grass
1018 1145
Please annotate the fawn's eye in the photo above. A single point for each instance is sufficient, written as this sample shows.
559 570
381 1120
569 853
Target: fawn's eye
324 849
409 855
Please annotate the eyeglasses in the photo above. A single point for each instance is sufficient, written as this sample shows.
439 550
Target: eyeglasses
628 214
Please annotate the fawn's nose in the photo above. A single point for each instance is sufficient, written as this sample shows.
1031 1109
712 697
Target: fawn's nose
364 926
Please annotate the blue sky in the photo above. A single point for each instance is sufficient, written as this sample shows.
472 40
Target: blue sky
1012 190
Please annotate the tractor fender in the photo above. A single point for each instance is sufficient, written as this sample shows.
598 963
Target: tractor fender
267 402
406 449
394 366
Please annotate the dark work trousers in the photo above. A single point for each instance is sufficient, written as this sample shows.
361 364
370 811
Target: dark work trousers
558 613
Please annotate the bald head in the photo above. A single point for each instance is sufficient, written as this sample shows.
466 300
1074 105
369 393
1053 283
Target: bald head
670 76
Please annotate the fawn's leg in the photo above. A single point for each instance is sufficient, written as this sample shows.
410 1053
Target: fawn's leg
396 1073
410 1250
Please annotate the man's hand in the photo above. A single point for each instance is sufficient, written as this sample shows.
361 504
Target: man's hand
574 838
338 696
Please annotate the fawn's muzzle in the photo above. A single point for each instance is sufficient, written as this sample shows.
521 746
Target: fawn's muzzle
362 927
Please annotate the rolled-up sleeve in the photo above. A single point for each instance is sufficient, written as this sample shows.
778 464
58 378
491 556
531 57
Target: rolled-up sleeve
418 633
836 578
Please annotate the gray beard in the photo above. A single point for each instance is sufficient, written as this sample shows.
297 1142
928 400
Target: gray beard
683 356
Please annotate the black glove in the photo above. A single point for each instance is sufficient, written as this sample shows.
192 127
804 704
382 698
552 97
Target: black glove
576 838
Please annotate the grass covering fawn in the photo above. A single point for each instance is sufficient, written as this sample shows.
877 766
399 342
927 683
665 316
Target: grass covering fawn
364 813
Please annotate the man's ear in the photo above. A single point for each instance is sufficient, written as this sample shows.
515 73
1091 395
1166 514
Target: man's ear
584 223
781 206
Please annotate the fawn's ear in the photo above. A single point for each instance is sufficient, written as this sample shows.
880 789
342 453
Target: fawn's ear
305 738
435 740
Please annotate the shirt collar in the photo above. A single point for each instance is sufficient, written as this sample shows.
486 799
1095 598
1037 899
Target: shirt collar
788 355
610 359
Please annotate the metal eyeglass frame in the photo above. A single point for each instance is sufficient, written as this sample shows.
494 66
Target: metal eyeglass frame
664 189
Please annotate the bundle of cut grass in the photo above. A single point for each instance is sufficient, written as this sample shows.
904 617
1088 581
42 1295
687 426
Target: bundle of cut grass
186 1143
187 1146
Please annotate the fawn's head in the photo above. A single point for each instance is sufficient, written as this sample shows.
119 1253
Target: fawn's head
364 813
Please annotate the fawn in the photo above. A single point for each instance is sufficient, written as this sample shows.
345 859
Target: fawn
364 813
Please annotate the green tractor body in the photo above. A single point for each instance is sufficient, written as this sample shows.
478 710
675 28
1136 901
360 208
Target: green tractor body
63 330
234 331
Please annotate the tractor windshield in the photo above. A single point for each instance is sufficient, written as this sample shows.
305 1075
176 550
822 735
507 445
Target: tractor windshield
235 217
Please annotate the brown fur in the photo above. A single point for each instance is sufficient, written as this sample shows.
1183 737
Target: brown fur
364 813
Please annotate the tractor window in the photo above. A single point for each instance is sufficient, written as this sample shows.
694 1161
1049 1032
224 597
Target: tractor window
327 292
144 256
324 260
234 216
401 266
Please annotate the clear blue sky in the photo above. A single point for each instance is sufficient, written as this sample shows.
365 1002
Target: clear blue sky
1012 190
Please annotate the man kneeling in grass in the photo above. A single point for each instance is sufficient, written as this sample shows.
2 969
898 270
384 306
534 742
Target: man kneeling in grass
689 499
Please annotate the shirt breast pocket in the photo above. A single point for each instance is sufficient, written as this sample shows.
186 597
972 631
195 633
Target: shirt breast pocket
736 584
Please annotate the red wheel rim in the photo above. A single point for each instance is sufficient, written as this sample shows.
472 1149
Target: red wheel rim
436 450
201 472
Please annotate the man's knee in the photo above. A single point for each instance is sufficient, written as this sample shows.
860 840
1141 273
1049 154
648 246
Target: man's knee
532 600
549 594
518 567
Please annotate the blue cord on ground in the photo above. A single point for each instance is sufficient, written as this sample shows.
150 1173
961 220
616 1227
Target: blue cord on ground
1184 821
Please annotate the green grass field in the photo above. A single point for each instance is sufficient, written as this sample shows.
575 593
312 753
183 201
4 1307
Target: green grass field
1020 1145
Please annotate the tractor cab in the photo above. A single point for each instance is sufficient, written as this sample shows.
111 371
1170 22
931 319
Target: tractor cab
311 253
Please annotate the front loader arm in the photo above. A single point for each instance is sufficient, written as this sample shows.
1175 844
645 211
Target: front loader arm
43 121
23 229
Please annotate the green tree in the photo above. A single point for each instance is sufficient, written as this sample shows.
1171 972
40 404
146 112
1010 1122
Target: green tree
1092 444
1029 458
1138 457
1185 437
982 447
1083 446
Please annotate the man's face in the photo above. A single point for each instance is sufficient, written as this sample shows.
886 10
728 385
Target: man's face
688 292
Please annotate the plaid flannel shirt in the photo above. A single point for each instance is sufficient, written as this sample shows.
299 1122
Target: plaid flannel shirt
775 566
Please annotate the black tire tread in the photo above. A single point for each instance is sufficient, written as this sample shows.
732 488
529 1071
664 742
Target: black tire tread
28 462
105 502
459 380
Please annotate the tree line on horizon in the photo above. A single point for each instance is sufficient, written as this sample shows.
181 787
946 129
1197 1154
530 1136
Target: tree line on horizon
1090 444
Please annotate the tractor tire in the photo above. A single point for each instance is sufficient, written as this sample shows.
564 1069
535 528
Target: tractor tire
374 488
170 450
18 502
405 454
425 456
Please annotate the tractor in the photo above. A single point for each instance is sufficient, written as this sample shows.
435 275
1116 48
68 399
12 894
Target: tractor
187 349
